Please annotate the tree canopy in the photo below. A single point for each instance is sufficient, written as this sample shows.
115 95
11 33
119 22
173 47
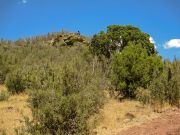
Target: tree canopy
117 37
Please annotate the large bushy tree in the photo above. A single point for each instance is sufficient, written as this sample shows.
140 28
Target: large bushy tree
117 37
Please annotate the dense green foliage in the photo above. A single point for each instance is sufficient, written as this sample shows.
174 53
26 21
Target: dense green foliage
117 37
133 68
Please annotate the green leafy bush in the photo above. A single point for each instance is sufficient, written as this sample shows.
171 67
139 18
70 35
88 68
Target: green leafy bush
60 115
133 68
15 82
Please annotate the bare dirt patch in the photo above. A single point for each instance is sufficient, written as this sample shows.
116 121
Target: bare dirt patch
167 124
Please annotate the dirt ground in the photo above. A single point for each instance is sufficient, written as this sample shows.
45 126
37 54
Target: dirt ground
117 116
167 124
132 118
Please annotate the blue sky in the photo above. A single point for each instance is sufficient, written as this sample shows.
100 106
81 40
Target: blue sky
159 18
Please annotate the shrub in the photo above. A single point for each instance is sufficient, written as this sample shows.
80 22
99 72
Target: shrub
143 95
15 82
133 68
60 115
3 71
166 87
4 95
158 89
70 82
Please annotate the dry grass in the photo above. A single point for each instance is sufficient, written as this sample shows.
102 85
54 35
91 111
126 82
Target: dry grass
12 112
116 116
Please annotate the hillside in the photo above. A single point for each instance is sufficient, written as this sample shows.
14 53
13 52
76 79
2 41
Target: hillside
70 84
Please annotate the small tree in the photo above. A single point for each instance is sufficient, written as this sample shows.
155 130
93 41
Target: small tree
133 68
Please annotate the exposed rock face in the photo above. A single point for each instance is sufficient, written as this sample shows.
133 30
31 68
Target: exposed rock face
68 39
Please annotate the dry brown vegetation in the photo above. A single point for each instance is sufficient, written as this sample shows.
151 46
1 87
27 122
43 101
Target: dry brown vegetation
12 113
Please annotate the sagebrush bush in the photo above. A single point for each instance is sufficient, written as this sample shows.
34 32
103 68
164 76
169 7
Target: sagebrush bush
166 87
60 115
3 70
143 95
158 89
4 95
14 82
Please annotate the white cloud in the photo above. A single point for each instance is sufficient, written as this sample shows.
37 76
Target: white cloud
173 43
153 42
